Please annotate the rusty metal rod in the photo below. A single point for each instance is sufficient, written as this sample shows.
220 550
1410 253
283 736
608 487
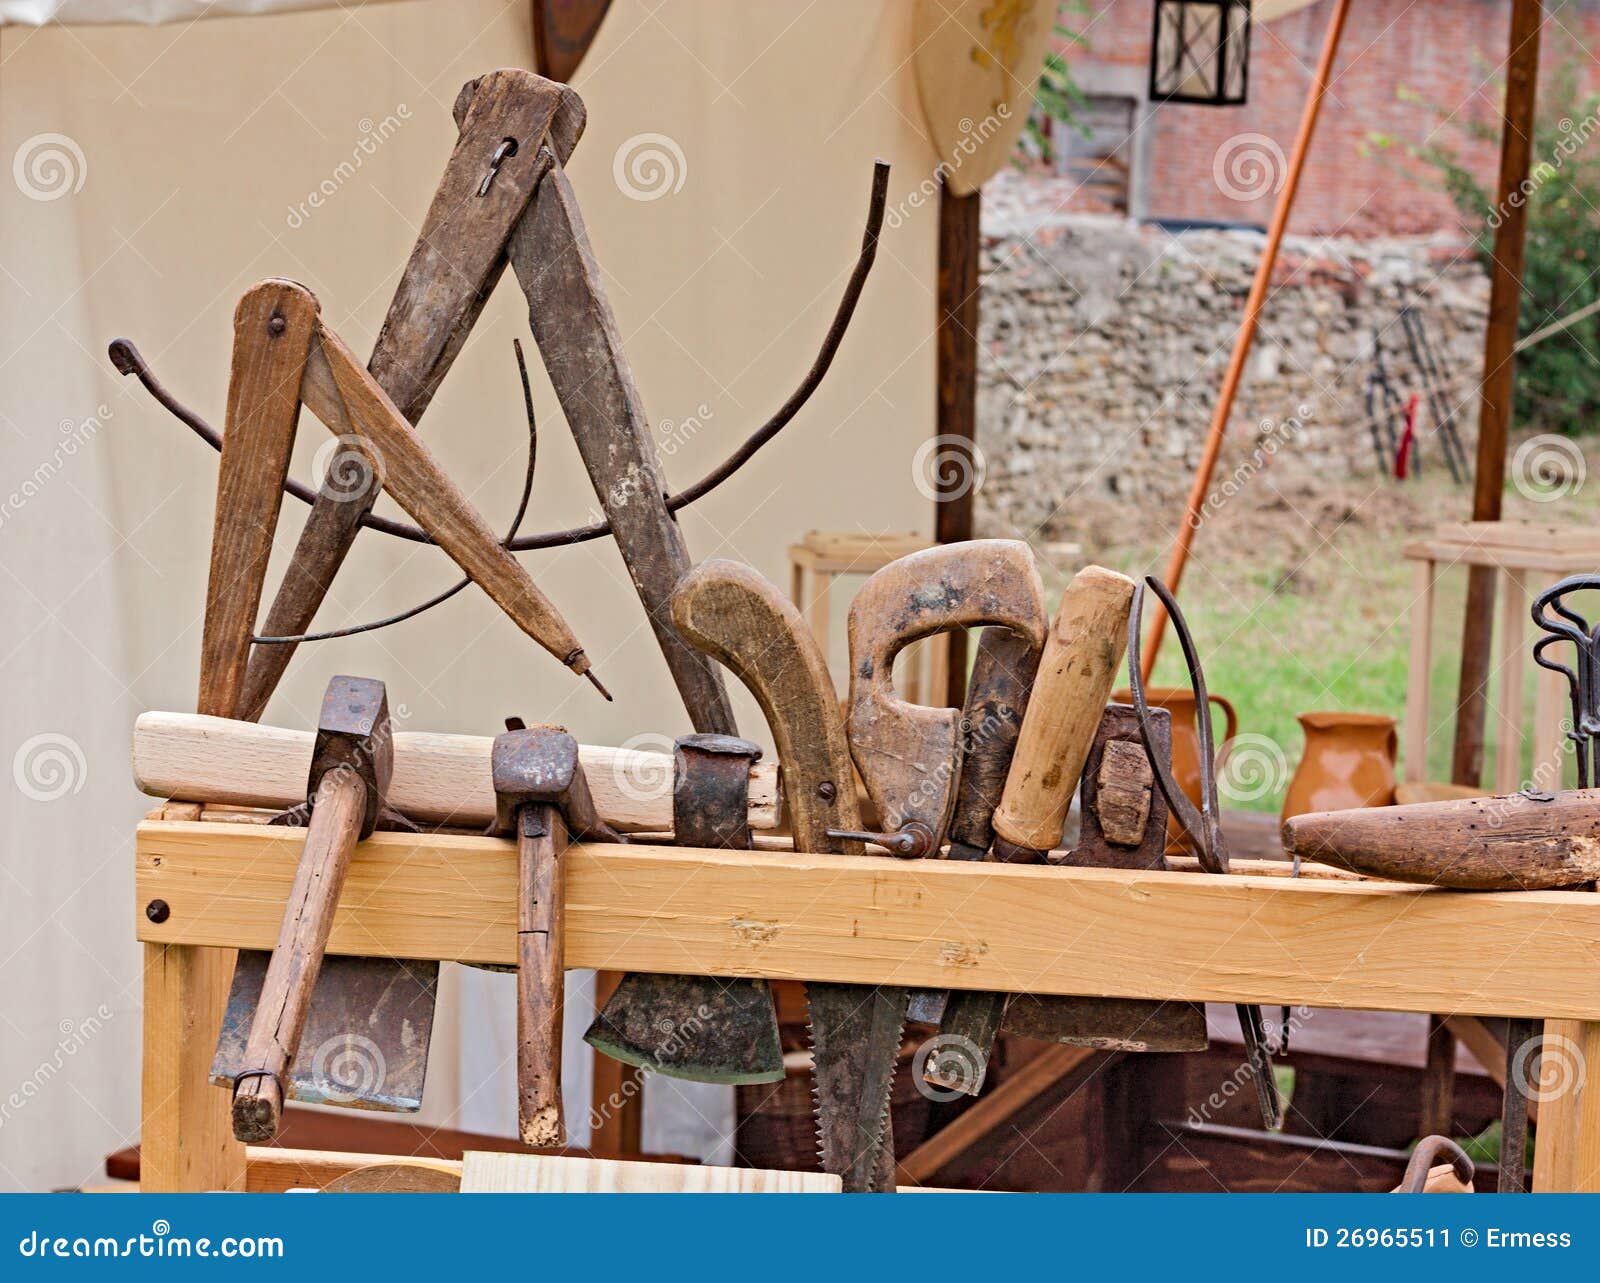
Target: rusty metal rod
127 359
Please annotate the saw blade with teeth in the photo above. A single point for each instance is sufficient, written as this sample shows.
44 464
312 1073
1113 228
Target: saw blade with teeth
855 1043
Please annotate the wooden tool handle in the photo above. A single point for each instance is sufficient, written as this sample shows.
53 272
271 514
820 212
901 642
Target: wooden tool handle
297 958
541 839
273 328
347 399
1081 657
1510 843
739 617
997 698
438 779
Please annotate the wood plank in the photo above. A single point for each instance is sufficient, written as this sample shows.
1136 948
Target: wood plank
1019 1090
186 1135
929 923
548 1174
1513 656
1566 1154
1419 672
438 778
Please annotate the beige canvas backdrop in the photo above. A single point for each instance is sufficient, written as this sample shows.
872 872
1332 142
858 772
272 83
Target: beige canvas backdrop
190 155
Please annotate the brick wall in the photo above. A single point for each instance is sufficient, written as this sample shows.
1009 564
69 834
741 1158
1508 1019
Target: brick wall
1448 51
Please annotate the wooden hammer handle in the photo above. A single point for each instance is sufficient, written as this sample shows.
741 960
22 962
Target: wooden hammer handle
541 839
1081 658
297 958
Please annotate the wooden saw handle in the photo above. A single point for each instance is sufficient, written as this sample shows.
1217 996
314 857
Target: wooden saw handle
1081 657
297 957
738 617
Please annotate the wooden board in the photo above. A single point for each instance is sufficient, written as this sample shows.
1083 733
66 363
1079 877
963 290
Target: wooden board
546 1174
438 779
930 923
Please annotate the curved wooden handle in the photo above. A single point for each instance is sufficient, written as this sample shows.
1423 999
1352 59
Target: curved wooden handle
1081 658
910 754
738 617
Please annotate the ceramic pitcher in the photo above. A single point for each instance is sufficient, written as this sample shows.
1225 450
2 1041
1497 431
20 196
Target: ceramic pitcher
1348 762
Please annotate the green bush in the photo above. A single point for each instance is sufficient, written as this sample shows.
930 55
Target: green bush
1558 379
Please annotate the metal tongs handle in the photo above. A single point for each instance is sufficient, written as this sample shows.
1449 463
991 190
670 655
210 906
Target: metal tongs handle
1203 825
1583 679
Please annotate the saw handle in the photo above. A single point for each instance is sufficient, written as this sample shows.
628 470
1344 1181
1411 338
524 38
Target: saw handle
1081 656
280 1018
541 841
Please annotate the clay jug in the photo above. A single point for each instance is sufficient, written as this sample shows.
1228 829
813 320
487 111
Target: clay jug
1348 763
1180 702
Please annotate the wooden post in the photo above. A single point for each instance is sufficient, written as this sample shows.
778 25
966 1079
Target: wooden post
1499 373
957 422
1566 1156
186 1142
1247 330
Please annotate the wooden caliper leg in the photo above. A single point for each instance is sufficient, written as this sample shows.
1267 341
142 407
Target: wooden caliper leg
186 1141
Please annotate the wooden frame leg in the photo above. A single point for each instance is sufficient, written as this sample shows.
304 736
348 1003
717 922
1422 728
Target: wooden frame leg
1420 672
1513 650
1567 1144
186 1139
617 1094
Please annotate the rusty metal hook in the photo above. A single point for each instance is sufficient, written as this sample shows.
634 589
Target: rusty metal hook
1425 1157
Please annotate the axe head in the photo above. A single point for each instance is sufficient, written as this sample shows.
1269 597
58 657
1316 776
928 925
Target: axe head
365 1044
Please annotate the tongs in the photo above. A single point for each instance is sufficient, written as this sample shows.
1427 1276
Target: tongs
1202 826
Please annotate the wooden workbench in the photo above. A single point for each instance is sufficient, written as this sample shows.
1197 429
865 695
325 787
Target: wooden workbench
1325 942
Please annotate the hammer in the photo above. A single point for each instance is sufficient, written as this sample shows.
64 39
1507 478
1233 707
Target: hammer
350 769
542 796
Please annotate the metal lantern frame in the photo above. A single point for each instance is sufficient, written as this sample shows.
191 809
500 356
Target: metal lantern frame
1177 57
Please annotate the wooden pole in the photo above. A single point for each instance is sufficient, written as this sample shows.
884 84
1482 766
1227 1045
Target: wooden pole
1499 373
957 421
1247 327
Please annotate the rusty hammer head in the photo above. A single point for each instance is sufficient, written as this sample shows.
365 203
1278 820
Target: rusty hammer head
353 734
539 764
909 755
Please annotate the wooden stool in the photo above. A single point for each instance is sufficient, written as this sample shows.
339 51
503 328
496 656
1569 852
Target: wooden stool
1528 559
822 556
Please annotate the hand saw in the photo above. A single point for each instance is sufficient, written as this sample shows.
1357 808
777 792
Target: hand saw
733 613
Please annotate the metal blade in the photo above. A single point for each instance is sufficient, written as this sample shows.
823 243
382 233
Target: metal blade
705 1029
365 1044
855 1042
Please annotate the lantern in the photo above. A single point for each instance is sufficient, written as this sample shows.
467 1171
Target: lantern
1200 52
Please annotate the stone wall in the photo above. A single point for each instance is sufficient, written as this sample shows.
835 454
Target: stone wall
1103 345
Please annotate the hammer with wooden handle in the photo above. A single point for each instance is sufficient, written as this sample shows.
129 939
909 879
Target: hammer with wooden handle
350 771
544 799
